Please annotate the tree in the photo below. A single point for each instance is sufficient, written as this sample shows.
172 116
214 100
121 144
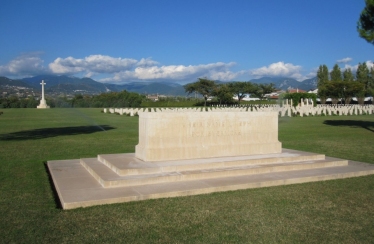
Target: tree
348 76
334 86
336 74
259 90
223 94
322 79
371 83
240 89
352 89
362 76
203 86
365 24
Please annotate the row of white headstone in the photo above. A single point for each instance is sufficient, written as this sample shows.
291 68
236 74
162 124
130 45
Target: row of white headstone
285 110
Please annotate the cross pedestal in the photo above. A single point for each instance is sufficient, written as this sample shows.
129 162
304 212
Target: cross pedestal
43 103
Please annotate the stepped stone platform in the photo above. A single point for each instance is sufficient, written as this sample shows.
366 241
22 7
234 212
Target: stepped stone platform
116 178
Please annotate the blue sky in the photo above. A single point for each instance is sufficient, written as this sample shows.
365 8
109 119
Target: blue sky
179 41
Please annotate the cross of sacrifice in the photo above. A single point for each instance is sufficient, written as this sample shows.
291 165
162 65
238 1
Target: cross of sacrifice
43 89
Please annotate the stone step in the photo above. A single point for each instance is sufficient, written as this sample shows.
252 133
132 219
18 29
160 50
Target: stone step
128 164
76 187
108 178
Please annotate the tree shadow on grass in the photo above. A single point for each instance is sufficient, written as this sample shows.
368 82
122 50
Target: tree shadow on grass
52 132
368 125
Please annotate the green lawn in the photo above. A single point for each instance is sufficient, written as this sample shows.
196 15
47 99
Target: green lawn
338 211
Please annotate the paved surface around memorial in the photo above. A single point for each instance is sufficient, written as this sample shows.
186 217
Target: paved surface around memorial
117 178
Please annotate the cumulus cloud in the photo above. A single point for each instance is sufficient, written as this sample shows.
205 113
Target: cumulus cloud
369 63
24 65
353 68
126 69
226 75
279 69
217 71
120 70
147 62
91 64
344 60
311 74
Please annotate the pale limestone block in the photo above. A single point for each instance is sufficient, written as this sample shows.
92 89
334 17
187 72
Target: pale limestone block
190 135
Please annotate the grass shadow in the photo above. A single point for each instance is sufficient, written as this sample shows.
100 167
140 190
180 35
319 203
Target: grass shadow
52 132
368 125
53 187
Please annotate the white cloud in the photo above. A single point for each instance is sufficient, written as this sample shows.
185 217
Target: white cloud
226 75
91 64
125 69
146 62
369 63
344 60
216 71
312 73
24 65
109 69
353 68
279 69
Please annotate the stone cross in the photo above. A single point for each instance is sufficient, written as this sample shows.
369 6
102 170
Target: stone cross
43 103
43 89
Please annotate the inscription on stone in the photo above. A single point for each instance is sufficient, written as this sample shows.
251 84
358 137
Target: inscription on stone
188 135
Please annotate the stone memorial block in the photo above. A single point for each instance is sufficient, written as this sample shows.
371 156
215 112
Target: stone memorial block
191 135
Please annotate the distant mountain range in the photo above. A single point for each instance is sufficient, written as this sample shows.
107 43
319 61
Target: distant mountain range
288 83
67 84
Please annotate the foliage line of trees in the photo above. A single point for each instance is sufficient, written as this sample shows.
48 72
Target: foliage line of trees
15 102
344 85
111 99
225 92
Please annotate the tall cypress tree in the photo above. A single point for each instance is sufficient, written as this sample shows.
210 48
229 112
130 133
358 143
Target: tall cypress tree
322 79
362 76
371 82
336 74
348 75
349 86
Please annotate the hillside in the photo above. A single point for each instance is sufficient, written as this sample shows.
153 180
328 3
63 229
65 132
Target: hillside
73 85
4 81
66 84
288 83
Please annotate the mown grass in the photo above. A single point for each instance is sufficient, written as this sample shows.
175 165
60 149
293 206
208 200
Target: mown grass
338 211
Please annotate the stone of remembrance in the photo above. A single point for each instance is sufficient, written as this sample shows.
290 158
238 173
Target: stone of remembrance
189 152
